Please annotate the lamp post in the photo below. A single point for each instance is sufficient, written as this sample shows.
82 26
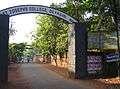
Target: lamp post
115 8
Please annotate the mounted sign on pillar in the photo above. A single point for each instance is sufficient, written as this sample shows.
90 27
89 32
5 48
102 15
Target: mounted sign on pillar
4 36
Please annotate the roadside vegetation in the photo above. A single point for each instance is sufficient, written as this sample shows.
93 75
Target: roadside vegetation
51 35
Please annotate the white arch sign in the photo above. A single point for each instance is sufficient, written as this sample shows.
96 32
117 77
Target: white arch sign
23 9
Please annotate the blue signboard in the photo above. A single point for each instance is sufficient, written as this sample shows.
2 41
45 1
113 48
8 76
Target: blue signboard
112 57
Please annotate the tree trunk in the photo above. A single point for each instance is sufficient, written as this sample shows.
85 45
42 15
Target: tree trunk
55 59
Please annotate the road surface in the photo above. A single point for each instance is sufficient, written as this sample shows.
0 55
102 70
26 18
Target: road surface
42 78
37 76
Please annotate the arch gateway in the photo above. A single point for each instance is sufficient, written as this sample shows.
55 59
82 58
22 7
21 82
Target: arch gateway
77 49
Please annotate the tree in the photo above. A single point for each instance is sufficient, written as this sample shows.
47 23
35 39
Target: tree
51 37
115 9
16 51
12 29
96 14
101 20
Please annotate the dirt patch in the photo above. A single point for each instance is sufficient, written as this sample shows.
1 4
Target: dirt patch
111 80
111 83
15 80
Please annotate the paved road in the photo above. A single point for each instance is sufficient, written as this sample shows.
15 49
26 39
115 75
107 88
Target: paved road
42 78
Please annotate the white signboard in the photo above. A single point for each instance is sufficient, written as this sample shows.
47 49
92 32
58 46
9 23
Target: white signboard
94 64
23 9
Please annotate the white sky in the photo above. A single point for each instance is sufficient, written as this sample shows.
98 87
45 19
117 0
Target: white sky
24 24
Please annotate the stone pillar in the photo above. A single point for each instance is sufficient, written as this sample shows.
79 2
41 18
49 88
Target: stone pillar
77 51
4 35
71 50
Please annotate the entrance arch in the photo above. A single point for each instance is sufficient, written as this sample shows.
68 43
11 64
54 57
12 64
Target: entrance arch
24 9
77 50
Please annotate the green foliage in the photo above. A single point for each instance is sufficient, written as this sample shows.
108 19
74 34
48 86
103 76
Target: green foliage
51 35
102 18
29 53
96 14
12 29
16 50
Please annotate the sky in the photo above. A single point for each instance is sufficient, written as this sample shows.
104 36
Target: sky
24 24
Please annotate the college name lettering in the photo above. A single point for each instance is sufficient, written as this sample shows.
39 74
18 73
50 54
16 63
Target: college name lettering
57 13
33 9
36 9
15 11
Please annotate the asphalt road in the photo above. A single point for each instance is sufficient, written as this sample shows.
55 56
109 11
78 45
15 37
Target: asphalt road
42 78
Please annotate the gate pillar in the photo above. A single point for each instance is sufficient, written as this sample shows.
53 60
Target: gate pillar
77 51
4 35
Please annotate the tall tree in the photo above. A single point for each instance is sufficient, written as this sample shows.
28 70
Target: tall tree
51 37
96 14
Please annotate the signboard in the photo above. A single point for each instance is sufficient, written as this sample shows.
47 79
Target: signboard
94 64
23 9
94 40
112 57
